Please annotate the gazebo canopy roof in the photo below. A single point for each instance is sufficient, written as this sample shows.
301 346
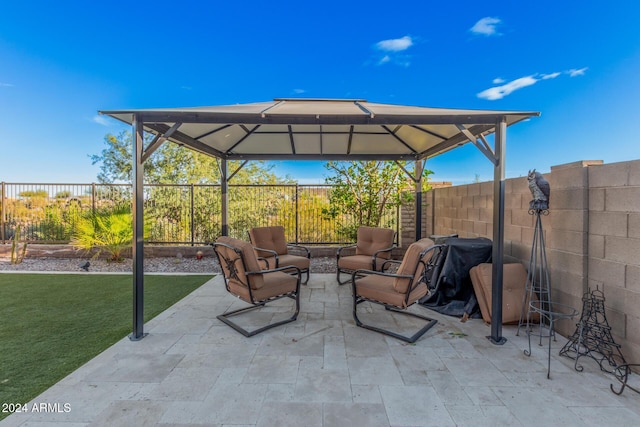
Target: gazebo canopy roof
320 129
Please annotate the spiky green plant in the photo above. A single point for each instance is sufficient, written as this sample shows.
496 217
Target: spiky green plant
105 230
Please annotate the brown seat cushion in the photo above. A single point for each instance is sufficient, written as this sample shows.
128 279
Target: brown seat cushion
411 264
276 283
302 262
513 288
372 239
271 238
380 288
250 262
392 290
359 262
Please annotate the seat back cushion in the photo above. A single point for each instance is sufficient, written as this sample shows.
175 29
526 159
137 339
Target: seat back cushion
372 239
411 264
256 281
514 279
271 238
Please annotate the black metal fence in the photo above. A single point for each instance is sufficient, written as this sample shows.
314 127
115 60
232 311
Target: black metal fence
178 214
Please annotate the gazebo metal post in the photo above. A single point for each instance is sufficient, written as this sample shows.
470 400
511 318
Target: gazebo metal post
138 231
498 232
418 180
224 189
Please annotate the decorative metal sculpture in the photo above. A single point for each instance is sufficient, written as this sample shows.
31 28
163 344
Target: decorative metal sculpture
593 337
540 190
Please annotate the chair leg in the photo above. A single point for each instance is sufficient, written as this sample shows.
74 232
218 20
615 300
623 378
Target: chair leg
349 272
410 339
225 317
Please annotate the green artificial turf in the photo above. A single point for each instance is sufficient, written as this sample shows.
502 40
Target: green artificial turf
52 324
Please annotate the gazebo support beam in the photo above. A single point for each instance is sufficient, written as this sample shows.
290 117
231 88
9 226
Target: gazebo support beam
158 141
224 190
138 231
418 180
498 233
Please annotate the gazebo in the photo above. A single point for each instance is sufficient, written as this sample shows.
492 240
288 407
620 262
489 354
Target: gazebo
321 129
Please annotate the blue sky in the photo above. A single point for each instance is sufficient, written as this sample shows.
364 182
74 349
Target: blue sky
576 62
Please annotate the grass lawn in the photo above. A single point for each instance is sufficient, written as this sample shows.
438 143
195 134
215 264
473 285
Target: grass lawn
52 324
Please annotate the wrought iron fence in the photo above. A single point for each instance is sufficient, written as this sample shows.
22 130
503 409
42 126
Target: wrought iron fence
178 214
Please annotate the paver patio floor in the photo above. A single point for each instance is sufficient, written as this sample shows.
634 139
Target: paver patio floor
322 370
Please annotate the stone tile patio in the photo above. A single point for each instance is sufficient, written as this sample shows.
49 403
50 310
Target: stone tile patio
324 371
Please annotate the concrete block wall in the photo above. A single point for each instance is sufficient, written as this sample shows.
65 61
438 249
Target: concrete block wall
613 248
592 235
408 216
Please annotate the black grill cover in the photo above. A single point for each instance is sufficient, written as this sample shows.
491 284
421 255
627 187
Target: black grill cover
451 293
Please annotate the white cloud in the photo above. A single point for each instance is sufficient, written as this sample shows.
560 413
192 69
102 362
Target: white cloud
498 80
391 51
499 92
5 84
550 76
101 120
299 91
573 72
395 45
486 26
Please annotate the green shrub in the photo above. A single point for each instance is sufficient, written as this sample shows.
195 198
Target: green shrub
109 230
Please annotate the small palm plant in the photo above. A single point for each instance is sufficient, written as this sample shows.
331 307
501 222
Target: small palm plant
109 230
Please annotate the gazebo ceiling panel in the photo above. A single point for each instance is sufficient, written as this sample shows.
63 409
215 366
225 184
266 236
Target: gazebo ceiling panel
364 144
308 144
258 144
337 144
224 139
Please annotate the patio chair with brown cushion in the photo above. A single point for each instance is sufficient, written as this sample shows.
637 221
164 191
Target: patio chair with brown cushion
271 245
398 291
373 247
245 279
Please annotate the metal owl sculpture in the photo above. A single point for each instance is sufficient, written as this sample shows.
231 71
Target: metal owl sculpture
539 190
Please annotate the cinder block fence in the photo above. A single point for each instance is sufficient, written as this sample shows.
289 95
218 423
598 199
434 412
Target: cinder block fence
592 234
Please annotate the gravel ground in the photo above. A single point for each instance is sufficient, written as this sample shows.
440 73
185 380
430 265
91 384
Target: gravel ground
206 265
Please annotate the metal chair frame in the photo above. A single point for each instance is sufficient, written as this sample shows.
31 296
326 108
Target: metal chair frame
256 304
429 267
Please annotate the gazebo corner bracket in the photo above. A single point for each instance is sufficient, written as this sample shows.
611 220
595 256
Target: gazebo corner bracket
415 179
237 170
481 143
158 141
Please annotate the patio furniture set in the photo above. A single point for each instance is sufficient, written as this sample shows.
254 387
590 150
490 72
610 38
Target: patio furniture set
268 269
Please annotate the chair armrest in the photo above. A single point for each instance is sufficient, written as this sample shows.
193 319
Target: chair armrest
264 260
340 249
304 249
273 270
382 273
375 255
269 251
385 265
